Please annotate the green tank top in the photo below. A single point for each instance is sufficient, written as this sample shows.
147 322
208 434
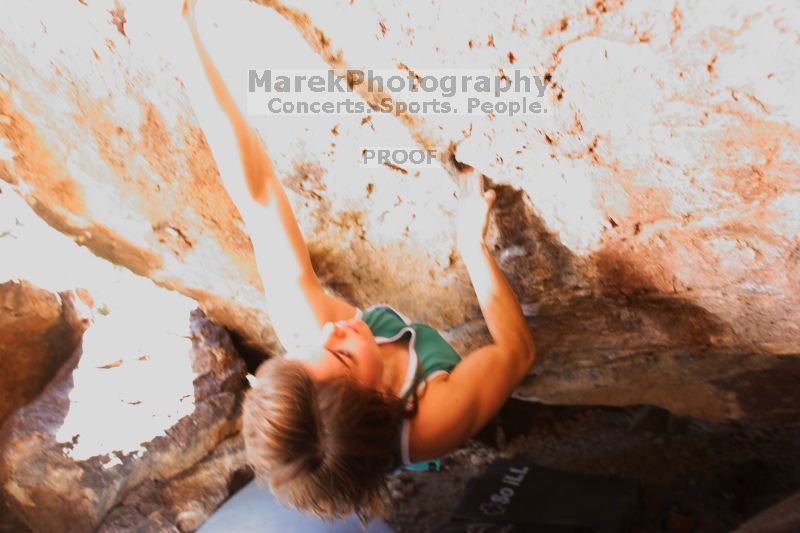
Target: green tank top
429 356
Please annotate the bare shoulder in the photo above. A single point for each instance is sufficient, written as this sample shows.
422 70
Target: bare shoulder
434 431
457 405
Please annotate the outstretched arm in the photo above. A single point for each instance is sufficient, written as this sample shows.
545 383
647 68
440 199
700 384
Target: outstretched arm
457 406
296 301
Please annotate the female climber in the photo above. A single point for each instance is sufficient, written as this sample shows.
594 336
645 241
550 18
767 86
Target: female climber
326 424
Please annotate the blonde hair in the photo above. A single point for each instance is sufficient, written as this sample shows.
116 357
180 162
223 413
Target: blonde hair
324 448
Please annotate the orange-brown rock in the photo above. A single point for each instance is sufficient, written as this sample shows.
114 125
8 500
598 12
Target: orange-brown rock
39 330
144 399
648 222
186 501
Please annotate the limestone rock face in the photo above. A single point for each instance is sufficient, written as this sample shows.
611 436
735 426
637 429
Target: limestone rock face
142 401
39 330
648 223
186 501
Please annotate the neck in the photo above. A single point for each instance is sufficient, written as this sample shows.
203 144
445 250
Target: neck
395 365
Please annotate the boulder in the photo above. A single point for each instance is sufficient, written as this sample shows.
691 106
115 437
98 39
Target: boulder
39 330
186 501
647 223
9 523
145 397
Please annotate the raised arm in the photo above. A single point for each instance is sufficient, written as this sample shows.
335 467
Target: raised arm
457 406
295 299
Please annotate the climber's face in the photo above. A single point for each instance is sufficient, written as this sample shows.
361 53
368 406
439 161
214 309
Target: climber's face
348 349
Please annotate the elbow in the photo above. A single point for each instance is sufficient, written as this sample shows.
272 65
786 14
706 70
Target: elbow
523 355
528 357
531 356
520 352
527 354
